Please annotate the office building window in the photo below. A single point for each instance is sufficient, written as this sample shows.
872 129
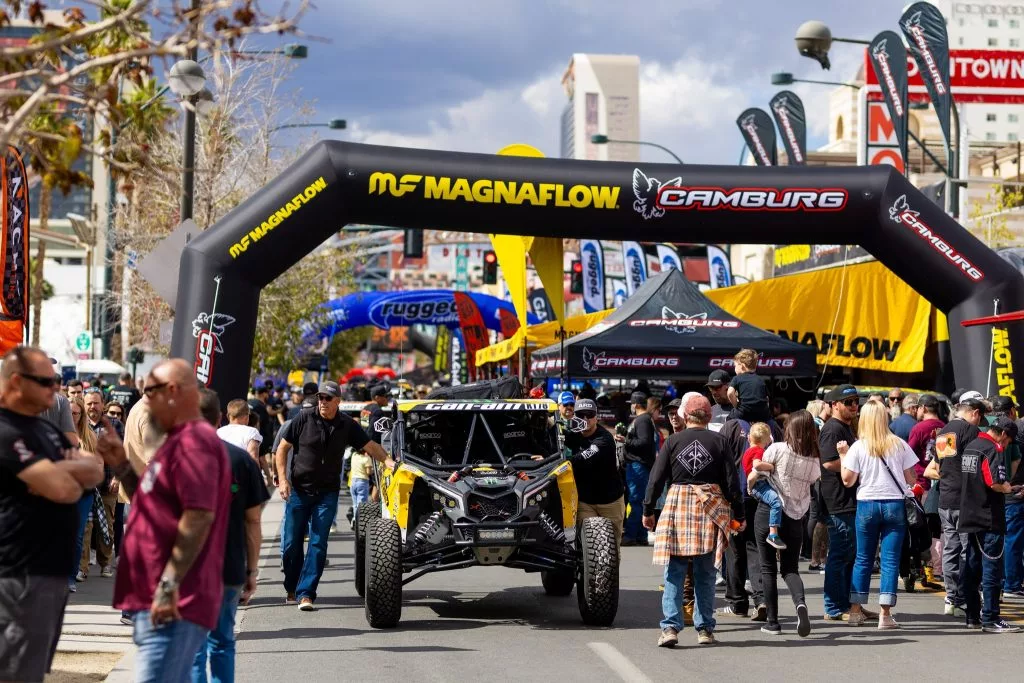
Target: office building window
1012 137
990 117
961 39
992 42
990 137
1012 118
1014 42
1014 23
993 23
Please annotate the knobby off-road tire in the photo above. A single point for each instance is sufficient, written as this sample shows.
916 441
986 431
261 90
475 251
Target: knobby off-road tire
557 582
367 510
383 573
598 589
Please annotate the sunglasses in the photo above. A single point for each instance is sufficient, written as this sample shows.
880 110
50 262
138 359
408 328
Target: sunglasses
850 402
325 398
895 398
114 413
47 381
586 416
153 388
93 390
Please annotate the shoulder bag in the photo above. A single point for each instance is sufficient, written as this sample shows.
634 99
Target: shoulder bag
917 521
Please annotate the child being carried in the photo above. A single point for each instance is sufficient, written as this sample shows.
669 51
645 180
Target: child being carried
759 438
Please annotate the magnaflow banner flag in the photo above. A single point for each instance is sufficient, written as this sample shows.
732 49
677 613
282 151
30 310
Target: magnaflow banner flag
634 261
759 133
925 28
592 256
14 230
668 257
887 57
788 110
719 270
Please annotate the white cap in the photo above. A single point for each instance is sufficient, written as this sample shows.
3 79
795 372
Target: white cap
976 395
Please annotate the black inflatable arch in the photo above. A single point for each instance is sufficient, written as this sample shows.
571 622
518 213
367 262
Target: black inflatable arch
336 183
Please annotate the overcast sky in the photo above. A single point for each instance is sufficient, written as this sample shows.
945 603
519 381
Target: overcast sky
476 76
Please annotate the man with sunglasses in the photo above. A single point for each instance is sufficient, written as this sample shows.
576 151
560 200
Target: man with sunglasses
310 487
170 574
840 501
41 480
596 468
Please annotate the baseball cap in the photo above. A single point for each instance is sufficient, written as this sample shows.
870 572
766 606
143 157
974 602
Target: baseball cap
379 390
841 393
973 403
295 389
585 405
718 378
693 402
674 404
1002 404
971 395
310 388
330 389
638 398
1006 425
566 398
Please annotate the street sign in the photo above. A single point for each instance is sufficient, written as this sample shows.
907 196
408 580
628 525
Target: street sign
83 342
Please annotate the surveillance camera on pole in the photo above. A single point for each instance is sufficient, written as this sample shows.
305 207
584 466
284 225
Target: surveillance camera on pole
814 39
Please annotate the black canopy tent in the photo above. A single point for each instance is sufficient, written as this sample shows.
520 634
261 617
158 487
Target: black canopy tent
669 330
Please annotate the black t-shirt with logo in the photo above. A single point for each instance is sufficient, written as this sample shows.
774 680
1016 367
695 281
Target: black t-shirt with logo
247 491
695 456
981 508
319 446
838 499
374 413
126 396
596 468
950 443
37 536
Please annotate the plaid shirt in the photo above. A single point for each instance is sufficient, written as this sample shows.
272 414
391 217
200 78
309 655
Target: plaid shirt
694 521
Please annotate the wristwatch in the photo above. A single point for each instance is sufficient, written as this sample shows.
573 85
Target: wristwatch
167 585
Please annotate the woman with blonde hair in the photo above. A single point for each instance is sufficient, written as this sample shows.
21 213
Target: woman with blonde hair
87 441
883 466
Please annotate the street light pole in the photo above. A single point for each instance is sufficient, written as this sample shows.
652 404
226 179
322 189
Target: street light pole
189 155
604 140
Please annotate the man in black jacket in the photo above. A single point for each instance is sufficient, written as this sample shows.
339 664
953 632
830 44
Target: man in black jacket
596 469
641 446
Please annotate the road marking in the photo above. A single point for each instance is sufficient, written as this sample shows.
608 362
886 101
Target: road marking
618 663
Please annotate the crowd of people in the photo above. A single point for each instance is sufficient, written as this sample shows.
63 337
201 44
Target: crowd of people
168 497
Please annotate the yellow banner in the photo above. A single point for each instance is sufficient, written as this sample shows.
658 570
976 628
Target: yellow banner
881 323
539 336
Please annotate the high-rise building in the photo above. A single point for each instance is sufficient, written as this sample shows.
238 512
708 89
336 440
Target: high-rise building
604 98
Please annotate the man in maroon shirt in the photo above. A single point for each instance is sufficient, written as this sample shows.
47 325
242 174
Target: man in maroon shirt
169 574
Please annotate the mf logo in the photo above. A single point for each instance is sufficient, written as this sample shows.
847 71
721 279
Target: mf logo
386 183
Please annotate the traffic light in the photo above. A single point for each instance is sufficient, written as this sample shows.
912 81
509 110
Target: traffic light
576 278
490 268
413 246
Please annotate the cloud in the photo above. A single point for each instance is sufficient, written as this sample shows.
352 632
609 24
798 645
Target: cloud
686 105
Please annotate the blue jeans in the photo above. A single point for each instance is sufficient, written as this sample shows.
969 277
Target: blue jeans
764 492
84 510
703 592
316 514
885 521
842 548
220 643
360 491
637 475
984 569
164 653
1013 556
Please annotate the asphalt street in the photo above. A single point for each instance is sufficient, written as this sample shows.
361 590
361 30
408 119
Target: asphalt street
497 624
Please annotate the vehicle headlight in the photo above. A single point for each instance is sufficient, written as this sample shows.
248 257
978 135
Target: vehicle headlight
537 496
444 500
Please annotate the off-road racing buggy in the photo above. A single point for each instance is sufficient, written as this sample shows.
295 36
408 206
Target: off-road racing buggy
467 491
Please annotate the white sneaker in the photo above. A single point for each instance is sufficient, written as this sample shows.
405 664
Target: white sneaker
80 576
106 572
